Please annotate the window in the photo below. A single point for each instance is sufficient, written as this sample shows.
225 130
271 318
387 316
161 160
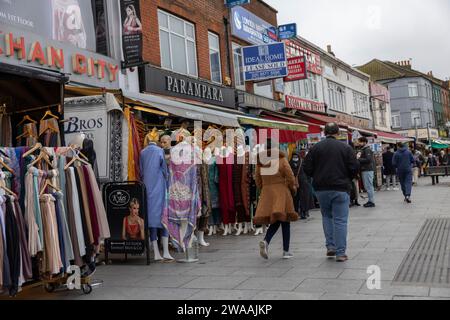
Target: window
238 67
396 120
361 104
413 89
214 57
336 94
264 89
383 113
428 88
177 42
313 79
416 119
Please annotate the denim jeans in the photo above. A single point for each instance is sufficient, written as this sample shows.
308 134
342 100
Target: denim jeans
286 227
335 207
368 185
154 233
406 182
391 179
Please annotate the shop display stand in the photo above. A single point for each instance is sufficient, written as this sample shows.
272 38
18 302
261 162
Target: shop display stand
191 253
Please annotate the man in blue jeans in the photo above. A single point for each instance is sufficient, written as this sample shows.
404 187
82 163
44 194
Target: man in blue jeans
332 165
367 162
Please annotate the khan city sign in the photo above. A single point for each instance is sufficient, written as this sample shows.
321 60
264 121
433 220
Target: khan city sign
303 104
22 48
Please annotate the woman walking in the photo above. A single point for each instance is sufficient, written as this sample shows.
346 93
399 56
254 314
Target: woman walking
275 179
304 199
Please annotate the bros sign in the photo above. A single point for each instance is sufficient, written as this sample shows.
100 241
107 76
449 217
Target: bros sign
86 67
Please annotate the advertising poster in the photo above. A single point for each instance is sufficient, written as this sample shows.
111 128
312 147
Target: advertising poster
68 21
131 32
296 69
264 62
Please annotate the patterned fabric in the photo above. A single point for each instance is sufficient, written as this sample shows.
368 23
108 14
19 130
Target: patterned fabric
183 201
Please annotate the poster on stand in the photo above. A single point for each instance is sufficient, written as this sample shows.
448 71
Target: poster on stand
131 32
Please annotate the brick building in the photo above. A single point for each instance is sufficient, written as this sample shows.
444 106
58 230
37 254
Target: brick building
194 38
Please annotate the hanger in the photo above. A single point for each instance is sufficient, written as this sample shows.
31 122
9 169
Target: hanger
4 165
26 118
37 146
76 150
42 156
49 113
11 193
75 158
48 184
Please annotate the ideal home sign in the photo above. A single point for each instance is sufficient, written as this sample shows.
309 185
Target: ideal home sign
24 48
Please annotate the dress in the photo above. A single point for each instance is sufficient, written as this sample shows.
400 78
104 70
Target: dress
226 189
154 174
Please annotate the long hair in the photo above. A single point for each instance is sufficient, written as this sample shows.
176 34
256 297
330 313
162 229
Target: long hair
131 6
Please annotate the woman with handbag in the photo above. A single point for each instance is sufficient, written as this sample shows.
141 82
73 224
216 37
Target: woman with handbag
304 198
275 179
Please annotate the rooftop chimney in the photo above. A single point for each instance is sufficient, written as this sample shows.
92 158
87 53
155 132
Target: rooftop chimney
330 51
430 73
404 63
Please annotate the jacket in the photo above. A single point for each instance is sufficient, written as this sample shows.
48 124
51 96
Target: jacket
276 202
403 160
332 165
366 160
388 168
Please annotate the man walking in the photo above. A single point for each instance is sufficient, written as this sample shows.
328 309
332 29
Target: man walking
403 160
389 170
366 161
332 166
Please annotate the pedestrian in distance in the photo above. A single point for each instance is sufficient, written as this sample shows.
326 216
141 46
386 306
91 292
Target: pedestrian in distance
403 161
332 165
275 179
366 160
432 161
389 170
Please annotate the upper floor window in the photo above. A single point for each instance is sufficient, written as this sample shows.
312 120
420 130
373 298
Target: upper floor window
238 67
336 94
416 119
396 120
413 89
177 42
214 57
361 104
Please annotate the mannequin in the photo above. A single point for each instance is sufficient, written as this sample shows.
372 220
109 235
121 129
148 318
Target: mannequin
213 181
184 204
154 174
227 207
238 170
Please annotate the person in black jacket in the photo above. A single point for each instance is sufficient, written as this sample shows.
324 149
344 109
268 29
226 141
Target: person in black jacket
366 159
389 170
332 165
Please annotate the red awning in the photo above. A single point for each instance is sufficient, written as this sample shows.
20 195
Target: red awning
322 119
390 137
289 136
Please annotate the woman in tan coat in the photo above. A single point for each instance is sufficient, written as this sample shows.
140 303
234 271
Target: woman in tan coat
275 179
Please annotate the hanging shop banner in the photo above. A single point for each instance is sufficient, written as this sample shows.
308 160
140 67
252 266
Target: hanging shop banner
296 69
264 62
232 3
295 49
68 21
131 32
287 31
126 207
248 27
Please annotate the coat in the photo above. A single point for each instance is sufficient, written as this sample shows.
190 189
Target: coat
275 203
388 168
403 160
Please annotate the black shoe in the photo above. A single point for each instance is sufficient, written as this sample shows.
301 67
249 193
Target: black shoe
357 204
408 200
369 205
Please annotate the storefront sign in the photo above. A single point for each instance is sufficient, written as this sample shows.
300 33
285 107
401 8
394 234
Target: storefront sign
168 83
232 3
296 69
313 60
23 48
421 133
131 32
68 21
250 100
353 121
303 104
248 27
287 31
264 62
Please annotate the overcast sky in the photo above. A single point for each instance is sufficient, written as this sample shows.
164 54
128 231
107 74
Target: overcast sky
360 30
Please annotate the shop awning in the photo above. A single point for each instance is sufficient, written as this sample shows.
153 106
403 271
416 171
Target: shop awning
364 131
185 110
272 124
322 119
438 144
152 111
391 137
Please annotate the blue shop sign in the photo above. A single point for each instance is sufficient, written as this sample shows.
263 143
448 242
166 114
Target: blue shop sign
248 27
287 31
264 62
232 3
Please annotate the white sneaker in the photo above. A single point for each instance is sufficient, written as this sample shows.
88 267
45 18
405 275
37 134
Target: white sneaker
389 189
263 249
287 255
396 189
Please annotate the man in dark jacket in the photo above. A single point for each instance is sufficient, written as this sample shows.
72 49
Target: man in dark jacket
389 170
366 160
403 160
332 166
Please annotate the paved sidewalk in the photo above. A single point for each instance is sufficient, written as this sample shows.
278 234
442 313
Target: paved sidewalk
232 269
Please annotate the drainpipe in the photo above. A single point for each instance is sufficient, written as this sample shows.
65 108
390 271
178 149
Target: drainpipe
227 39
